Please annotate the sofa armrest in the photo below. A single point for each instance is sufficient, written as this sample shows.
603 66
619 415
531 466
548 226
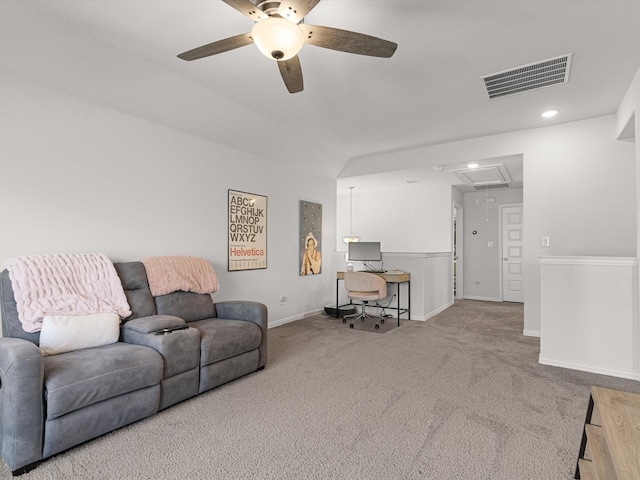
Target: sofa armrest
150 324
180 349
251 312
21 402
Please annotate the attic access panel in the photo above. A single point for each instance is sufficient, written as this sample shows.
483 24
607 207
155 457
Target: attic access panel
486 176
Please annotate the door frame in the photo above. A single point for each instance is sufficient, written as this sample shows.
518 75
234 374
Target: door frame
459 250
500 236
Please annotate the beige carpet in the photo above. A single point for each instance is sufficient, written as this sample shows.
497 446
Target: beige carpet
460 396
385 324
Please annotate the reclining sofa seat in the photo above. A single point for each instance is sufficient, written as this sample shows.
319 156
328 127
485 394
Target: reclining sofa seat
52 403
231 337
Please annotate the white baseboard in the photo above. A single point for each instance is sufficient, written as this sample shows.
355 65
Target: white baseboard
423 318
283 321
589 368
484 299
531 333
433 313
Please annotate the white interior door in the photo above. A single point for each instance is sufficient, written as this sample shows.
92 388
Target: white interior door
512 258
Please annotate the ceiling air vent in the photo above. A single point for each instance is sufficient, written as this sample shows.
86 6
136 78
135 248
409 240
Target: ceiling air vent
484 177
542 74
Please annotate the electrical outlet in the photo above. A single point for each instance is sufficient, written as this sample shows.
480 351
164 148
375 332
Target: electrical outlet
545 241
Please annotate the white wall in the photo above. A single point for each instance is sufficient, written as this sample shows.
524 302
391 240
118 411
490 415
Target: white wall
411 218
589 314
482 263
76 177
626 120
579 189
589 305
626 117
414 225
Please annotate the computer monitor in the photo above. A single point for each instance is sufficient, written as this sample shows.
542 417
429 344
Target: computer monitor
365 251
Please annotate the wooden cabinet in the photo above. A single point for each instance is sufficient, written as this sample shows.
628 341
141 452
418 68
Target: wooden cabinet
610 447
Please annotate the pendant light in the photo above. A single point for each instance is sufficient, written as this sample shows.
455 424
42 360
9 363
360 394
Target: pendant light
352 237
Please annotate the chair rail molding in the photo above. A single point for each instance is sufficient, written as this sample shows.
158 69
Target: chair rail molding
606 261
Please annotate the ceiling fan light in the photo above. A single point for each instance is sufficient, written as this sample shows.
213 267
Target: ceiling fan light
277 38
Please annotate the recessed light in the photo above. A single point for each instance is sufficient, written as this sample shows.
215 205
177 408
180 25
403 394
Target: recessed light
550 113
473 165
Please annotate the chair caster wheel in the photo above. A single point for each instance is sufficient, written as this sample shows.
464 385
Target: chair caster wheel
351 325
377 326
344 321
382 321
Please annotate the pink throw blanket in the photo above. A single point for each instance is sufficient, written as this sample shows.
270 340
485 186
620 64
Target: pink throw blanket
189 274
65 285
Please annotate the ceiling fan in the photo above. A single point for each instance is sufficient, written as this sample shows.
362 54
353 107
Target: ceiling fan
279 33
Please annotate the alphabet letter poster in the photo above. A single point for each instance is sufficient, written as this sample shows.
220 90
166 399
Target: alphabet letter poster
247 231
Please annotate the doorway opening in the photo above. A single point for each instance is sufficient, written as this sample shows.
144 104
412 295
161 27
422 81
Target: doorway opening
457 249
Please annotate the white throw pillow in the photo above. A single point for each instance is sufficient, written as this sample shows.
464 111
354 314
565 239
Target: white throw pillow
63 333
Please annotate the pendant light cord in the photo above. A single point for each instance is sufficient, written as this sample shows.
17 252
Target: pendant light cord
350 210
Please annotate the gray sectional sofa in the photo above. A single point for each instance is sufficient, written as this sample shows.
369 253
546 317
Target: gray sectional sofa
49 404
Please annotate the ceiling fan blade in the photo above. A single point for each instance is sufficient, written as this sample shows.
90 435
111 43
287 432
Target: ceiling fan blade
247 8
291 74
296 10
347 41
217 47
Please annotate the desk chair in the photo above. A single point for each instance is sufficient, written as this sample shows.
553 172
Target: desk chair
364 287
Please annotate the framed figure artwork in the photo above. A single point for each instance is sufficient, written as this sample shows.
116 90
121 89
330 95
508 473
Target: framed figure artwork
310 251
247 231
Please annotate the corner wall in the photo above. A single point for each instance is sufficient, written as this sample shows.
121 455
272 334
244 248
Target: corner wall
79 178
627 112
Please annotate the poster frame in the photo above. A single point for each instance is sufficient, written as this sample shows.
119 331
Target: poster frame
251 216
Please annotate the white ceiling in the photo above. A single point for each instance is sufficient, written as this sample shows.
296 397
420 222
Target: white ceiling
122 55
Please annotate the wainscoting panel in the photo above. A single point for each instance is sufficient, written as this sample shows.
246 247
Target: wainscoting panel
431 280
589 315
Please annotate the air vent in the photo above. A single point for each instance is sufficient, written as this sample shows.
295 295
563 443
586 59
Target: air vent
528 77
483 177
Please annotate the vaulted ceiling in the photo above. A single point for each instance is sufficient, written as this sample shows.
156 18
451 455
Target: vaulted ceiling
123 55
